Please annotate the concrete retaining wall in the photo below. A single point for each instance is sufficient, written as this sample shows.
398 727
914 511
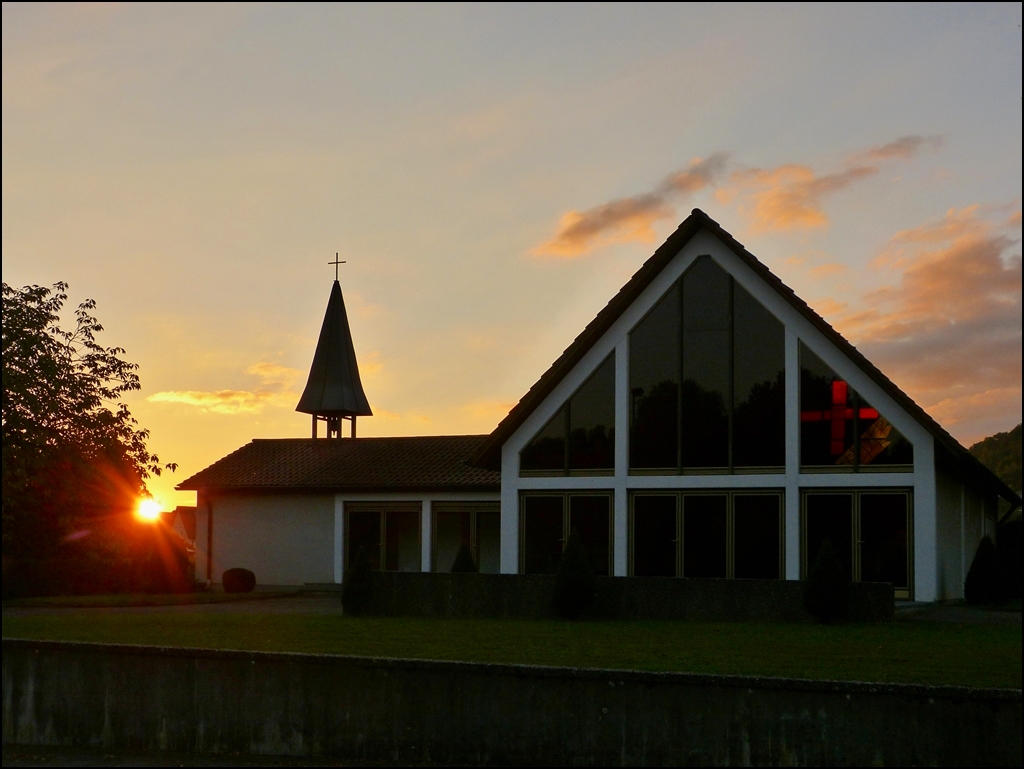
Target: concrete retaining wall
405 711
398 594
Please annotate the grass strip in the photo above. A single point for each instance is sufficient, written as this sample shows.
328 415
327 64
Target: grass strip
908 652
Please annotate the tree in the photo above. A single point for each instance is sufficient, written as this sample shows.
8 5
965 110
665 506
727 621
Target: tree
75 461
982 585
574 580
826 591
464 563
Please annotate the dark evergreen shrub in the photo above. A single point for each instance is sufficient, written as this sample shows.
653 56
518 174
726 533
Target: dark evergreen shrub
464 563
826 591
1010 549
574 580
357 586
238 581
982 584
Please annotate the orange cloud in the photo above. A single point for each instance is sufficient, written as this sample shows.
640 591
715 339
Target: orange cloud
791 196
903 148
226 401
274 373
949 330
630 219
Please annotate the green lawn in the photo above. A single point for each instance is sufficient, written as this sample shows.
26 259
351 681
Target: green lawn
915 652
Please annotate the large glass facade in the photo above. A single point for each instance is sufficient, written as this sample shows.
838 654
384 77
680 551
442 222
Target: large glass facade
839 429
549 518
581 436
726 534
869 530
707 363
707 379
654 369
759 384
592 421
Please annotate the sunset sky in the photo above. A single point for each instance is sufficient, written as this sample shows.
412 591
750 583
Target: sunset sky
493 175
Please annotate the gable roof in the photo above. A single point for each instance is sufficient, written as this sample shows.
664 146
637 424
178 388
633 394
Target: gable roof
956 458
423 463
333 386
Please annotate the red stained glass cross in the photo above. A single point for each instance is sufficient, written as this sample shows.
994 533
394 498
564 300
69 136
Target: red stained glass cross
838 415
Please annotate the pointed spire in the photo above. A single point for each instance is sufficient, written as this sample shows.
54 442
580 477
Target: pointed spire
333 389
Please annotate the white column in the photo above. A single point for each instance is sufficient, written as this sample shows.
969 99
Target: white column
792 527
339 539
620 528
425 535
925 522
509 511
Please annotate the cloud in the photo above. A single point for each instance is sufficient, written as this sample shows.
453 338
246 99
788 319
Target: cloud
791 196
949 329
226 401
787 197
631 219
903 148
240 401
274 373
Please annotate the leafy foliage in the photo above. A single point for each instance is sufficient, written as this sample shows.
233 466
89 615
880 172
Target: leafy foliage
238 580
983 585
464 563
1001 453
574 580
826 591
74 459
357 586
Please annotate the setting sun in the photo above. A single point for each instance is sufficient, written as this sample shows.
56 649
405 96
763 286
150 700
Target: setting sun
148 510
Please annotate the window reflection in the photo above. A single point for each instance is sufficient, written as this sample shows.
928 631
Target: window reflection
838 427
592 421
654 350
707 375
759 384
581 436
706 395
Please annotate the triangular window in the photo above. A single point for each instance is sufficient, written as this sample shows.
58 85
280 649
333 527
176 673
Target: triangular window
838 428
581 436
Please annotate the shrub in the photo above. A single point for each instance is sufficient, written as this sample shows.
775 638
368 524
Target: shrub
826 591
238 581
357 586
574 580
982 583
464 563
1010 550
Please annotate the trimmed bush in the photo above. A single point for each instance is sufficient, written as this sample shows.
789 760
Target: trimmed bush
464 563
357 586
982 584
238 581
574 580
1010 548
826 591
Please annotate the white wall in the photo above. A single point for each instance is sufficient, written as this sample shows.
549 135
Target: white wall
284 539
950 537
921 480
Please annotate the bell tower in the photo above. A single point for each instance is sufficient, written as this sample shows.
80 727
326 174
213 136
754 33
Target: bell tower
333 391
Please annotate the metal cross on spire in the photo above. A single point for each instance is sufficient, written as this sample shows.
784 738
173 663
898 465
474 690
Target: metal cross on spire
336 262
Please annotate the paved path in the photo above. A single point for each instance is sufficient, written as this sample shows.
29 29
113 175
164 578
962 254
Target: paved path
955 612
304 603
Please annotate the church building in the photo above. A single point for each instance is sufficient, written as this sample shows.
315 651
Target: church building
706 424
